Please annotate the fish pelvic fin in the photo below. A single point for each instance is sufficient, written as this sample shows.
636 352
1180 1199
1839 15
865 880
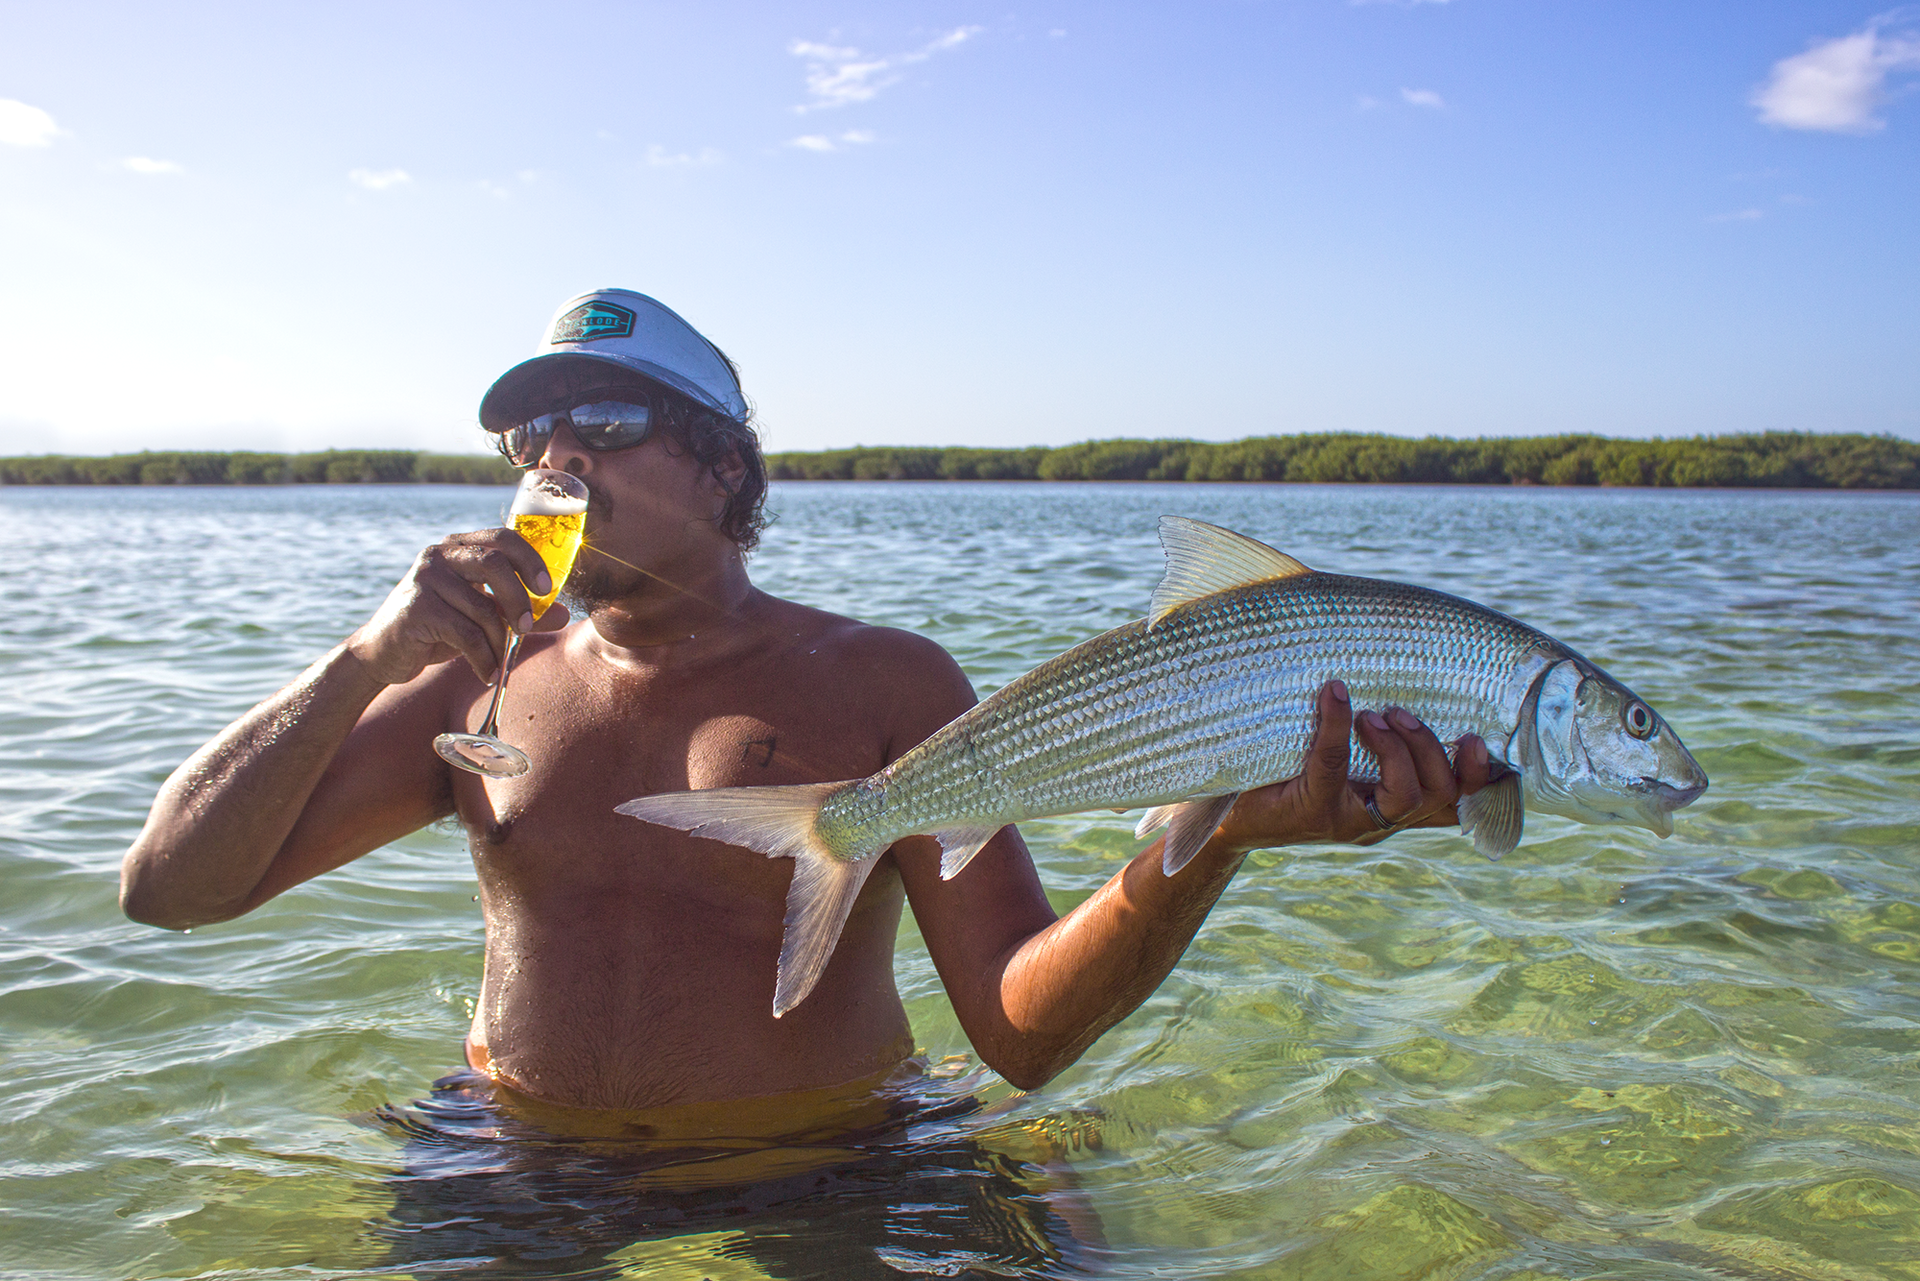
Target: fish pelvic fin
1494 816
1154 819
958 845
778 822
1189 824
1203 559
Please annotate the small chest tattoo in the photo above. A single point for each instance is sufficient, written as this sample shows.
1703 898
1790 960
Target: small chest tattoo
761 747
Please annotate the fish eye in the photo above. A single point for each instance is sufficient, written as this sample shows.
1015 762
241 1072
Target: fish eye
1639 719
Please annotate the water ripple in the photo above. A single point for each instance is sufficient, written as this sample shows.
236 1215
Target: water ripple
1605 1056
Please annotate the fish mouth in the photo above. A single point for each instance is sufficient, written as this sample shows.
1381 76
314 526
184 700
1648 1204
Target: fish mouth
1670 797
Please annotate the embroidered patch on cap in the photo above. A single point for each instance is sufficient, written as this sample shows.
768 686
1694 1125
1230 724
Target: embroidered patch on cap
591 321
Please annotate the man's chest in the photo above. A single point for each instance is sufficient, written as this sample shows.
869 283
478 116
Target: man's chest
595 743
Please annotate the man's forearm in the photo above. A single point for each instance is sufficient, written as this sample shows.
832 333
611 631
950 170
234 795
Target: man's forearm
1061 987
1078 977
221 817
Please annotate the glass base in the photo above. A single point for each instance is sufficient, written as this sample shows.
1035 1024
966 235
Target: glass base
482 755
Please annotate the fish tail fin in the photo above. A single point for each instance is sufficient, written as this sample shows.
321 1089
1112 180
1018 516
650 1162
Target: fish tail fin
1494 816
778 822
775 821
818 901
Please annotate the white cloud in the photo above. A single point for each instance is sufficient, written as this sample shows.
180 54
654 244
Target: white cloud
149 166
1423 98
26 126
1738 215
822 142
1835 86
660 158
378 179
838 76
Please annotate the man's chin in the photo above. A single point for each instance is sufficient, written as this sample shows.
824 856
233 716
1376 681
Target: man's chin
601 584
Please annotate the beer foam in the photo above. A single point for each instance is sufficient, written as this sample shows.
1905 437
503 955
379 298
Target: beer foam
544 498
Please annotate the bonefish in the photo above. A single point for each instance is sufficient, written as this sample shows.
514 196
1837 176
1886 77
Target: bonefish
1213 693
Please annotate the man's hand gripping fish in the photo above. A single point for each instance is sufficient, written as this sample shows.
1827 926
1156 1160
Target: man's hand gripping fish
1210 695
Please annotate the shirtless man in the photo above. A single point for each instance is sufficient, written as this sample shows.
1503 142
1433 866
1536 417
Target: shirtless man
629 965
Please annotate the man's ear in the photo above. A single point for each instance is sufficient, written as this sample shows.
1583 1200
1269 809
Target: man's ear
731 471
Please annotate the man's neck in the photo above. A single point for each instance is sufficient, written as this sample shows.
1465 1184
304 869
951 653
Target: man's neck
691 607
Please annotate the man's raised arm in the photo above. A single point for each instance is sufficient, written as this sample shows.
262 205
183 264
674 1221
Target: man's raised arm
1034 992
335 764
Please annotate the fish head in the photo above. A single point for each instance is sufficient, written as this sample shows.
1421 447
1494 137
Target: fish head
1598 753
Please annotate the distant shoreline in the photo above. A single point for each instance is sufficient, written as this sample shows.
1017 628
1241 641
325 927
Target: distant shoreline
1771 460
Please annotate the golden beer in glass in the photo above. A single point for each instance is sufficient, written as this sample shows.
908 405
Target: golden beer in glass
557 539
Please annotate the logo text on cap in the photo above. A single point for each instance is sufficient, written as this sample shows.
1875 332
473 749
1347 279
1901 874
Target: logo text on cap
591 321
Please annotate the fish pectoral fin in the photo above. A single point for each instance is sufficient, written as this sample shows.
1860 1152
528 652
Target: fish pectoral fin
1203 559
958 845
1494 816
1190 825
818 901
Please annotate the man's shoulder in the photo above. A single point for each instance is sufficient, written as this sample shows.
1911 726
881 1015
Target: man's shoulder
850 640
905 680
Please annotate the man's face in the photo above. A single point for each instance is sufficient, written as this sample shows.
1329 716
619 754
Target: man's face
650 506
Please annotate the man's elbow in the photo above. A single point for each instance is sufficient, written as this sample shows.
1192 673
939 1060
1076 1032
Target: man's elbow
1029 1067
146 902
1025 1077
144 908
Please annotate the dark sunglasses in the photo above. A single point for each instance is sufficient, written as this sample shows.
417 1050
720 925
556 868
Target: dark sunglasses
604 425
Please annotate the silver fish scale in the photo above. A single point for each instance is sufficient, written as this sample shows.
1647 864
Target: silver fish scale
1219 697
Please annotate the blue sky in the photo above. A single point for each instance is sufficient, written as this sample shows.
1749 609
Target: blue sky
293 227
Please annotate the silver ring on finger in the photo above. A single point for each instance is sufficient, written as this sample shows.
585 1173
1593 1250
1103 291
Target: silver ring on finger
1381 821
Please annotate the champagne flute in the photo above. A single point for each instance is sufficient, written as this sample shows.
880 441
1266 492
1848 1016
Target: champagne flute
550 511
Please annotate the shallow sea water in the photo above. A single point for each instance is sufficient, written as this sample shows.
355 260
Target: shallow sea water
1606 1056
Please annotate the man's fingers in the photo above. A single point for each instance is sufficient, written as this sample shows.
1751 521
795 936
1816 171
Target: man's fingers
1397 796
475 626
522 560
497 572
1438 786
1471 763
1330 751
449 609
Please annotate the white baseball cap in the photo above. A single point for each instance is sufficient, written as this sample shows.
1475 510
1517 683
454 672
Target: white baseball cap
623 328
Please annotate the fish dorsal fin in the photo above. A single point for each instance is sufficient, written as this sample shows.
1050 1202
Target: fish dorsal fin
1203 559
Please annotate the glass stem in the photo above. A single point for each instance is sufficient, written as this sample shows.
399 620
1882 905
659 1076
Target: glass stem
491 729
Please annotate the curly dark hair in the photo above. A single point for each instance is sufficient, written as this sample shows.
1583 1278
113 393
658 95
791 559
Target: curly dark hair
712 438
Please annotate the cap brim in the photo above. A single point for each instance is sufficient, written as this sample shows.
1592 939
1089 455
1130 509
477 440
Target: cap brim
532 386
